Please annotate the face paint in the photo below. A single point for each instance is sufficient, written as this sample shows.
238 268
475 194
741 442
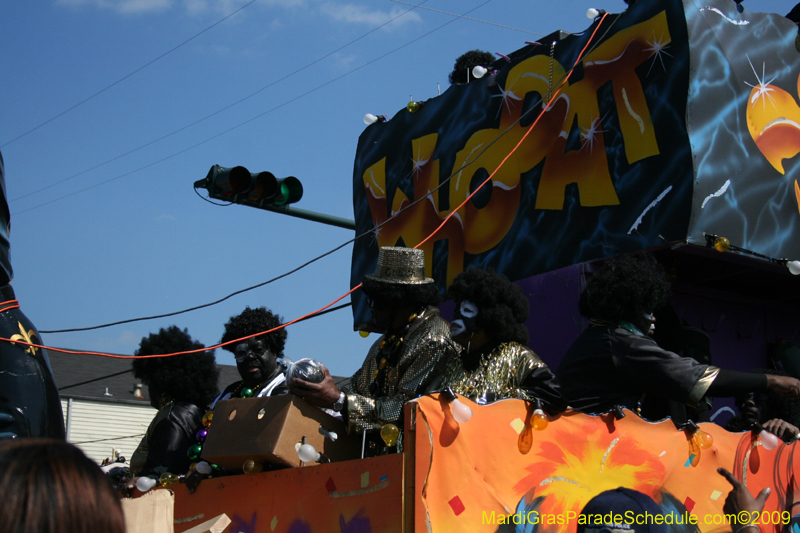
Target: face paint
465 319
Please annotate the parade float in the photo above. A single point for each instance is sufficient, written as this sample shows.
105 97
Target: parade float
672 127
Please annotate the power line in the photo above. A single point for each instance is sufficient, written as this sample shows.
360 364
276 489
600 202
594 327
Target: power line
95 379
284 78
442 184
125 77
279 106
108 439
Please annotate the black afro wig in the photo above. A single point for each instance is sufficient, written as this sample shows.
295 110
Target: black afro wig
502 306
466 62
625 288
252 321
189 377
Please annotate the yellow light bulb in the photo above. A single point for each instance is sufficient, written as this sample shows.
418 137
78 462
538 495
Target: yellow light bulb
251 467
389 434
539 420
167 479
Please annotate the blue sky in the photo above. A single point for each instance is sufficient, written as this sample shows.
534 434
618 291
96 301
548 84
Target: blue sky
105 224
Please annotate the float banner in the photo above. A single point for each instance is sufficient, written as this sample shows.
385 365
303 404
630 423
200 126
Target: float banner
611 166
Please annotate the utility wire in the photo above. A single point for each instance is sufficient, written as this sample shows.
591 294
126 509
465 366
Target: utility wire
95 379
444 182
279 106
108 439
101 91
237 102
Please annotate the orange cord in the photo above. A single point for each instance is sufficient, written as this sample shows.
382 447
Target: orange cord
487 180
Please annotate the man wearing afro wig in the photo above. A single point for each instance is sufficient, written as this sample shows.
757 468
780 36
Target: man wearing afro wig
615 362
495 363
256 357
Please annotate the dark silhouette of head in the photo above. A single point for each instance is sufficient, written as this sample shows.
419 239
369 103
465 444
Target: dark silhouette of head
466 62
502 306
626 288
188 378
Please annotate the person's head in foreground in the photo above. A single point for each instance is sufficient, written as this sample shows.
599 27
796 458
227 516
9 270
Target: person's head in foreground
50 486
621 510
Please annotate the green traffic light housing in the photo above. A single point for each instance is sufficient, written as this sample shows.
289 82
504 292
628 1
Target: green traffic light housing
264 191
240 186
289 191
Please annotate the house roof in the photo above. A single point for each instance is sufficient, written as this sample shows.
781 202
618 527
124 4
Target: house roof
106 379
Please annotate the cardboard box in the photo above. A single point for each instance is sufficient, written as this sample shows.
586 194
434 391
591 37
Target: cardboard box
269 429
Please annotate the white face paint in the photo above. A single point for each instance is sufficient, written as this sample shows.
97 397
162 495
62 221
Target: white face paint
468 311
457 327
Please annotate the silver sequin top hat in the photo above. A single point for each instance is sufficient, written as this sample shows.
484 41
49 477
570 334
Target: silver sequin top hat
403 266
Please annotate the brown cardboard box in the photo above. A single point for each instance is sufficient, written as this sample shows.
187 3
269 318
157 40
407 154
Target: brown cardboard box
268 429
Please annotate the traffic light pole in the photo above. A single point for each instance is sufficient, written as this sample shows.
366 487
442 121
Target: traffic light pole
312 215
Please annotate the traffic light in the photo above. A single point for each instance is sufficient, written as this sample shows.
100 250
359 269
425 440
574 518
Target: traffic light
240 186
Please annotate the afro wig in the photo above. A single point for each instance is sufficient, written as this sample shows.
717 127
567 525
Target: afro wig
416 294
625 288
252 321
189 377
502 306
466 62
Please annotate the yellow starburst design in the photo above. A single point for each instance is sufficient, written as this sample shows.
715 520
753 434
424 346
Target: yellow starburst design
26 336
568 472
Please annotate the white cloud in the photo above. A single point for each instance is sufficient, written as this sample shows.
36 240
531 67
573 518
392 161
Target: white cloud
123 6
355 14
228 6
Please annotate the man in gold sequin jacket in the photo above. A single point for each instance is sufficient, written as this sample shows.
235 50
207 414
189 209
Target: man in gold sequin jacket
404 361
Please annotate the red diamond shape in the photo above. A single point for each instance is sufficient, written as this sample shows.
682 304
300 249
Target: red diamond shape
457 505
330 486
689 504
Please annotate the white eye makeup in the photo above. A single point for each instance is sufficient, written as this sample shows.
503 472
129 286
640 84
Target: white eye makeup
468 309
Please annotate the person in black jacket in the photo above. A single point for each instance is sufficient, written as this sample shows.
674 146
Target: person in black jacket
256 357
615 363
181 387
29 402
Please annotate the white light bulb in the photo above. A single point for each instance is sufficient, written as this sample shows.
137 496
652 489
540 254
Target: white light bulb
307 453
369 118
145 483
794 267
203 468
768 440
461 413
478 71
592 13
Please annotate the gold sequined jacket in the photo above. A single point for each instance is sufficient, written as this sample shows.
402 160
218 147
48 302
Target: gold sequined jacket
510 370
422 356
